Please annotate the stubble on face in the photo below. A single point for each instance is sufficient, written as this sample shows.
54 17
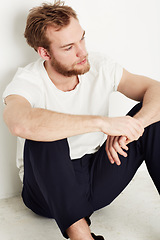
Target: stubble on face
74 70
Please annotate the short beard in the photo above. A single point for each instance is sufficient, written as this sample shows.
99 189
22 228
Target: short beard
63 69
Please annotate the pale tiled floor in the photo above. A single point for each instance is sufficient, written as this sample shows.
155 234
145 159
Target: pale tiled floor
134 215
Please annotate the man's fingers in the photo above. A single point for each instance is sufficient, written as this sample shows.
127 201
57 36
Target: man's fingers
115 157
122 126
123 142
112 148
134 129
108 142
116 146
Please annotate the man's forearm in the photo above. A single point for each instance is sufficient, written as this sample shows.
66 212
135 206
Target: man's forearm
150 111
45 125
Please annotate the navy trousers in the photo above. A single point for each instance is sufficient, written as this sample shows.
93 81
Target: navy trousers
67 190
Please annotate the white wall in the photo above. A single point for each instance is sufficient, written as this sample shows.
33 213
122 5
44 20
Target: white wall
127 30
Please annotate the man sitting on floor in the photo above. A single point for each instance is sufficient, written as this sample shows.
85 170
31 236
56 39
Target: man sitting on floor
59 104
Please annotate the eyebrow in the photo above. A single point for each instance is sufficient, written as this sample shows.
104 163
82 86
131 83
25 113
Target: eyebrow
69 44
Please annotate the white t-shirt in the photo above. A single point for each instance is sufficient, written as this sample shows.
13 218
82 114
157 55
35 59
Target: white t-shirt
90 97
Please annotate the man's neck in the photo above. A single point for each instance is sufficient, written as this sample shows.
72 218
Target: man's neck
62 82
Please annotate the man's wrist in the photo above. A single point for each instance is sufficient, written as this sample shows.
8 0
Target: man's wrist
96 123
101 123
141 119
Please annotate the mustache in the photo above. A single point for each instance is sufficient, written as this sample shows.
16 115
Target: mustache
82 59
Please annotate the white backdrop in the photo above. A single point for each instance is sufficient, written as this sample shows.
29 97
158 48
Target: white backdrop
126 30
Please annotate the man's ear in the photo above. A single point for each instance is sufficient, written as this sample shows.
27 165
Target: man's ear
43 53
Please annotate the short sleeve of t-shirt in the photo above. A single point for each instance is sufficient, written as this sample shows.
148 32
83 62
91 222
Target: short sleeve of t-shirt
26 84
116 72
113 70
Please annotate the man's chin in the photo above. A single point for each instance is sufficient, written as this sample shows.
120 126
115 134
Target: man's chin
82 70
77 69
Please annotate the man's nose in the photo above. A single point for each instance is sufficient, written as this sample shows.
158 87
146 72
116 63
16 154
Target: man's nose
81 51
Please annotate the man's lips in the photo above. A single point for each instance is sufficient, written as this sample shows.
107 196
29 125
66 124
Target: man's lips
82 62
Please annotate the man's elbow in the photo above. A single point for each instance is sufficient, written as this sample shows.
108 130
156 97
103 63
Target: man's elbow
16 128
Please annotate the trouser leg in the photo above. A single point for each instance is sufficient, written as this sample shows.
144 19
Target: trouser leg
108 180
50 187
150 143
150 148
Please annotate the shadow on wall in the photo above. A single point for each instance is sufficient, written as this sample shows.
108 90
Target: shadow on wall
9 179
17 54
26 53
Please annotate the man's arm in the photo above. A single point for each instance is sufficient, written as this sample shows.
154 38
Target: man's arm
139 88
41 124
44 125
143 88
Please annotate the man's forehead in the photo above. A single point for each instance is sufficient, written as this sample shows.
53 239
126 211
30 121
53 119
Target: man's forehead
71 43
66 35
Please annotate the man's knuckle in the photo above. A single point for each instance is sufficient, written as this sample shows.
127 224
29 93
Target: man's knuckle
121 142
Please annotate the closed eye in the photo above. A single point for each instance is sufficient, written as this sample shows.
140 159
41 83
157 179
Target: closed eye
69 48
